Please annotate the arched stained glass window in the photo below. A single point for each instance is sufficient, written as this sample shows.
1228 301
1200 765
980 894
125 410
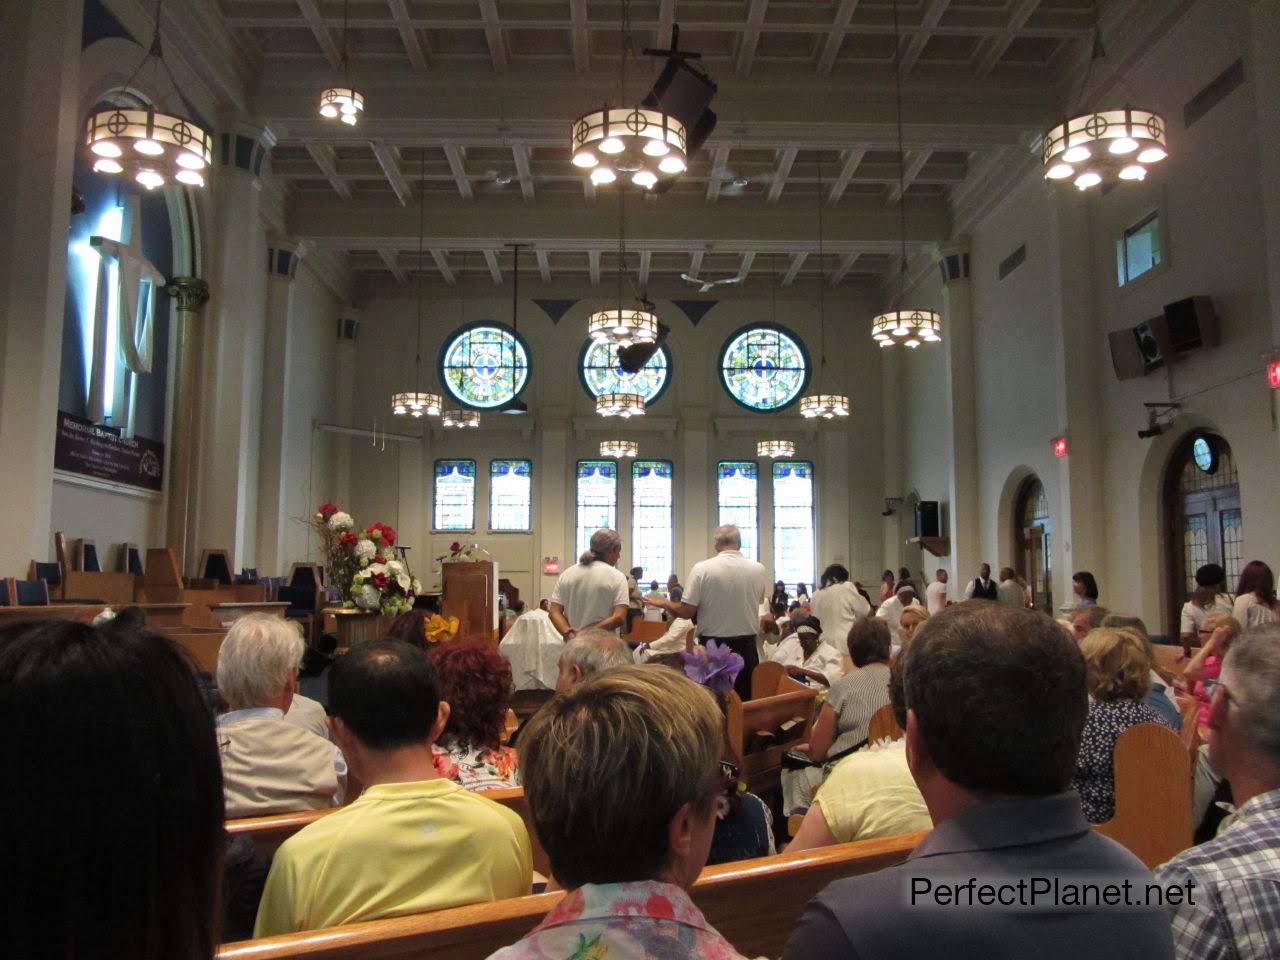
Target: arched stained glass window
597 496
738 496
510 494
598 367
484 365
652 517
764 367
793 522
455 506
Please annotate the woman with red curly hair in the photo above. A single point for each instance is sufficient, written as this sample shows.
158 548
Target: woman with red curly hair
476 683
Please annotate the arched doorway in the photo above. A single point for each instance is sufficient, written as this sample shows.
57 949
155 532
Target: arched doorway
1201 508
1032 531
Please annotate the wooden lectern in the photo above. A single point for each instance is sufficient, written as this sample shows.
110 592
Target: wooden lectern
471 595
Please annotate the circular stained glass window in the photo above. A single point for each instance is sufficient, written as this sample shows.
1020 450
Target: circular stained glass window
1204 454
484 365
764 367
601 373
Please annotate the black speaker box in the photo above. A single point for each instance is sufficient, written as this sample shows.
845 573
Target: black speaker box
1192 324
927 521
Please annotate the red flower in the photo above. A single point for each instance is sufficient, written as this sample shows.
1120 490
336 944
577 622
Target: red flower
380 531
380 580
327 509
348 539
455 547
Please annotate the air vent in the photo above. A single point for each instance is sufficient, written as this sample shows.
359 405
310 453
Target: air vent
1213 94
348 327
1013 261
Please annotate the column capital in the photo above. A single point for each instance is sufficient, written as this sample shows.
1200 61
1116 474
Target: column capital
953 259
244 146
283 256
191 293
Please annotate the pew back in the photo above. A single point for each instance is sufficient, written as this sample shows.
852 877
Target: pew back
1151 761
759 758
884 724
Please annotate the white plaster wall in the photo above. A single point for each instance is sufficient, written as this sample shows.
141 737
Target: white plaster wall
108 518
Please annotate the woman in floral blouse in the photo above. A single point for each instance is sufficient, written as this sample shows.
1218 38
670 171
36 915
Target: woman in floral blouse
476 683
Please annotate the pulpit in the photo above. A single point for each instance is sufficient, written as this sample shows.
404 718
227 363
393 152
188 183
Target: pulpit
471 595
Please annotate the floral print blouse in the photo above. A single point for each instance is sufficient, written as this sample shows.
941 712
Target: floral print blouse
477 768
623 921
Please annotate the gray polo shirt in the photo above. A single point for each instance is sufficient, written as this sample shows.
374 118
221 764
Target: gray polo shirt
872 916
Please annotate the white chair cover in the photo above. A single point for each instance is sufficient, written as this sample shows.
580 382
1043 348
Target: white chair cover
533 648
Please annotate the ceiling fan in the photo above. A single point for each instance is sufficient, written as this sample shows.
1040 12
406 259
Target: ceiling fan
704 285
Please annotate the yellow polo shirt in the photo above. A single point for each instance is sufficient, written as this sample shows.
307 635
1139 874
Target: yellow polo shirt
871 794
401 848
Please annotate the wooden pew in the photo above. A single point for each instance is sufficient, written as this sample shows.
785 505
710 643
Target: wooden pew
884 724
760 758
160 616
771 678
645 631
116 589
1151 761
201 643
753 903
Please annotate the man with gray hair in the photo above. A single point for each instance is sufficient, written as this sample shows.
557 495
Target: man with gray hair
593 592
269 764
725 595
592 651
1235 911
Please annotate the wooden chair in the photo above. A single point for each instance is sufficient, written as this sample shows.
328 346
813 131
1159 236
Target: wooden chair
9 592
28 593
769 679
1153 794
50 573
759 732
509 725
87 556
884 724
305 596
753 903
1189 707
162 581
1167 662
130 559
645 631
215 565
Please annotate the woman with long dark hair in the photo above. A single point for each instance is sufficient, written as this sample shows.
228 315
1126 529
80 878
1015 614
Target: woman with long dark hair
1085 589
1256 596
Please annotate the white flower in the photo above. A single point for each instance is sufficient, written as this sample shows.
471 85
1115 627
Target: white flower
367 597
417 585
403 581
341 521
395 567
364 550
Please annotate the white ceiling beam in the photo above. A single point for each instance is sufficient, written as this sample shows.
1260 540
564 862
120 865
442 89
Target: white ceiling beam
581 37
719 161
593 261
413 45
916 159
919 40
797 261
326 160
491 258
520 152
328 46
457 157
695 262
643 275
835 37
992 49
846 264
786 157
493 34
849 162
389 159
666 18
744 265
392 260
750 36
441 257
544 265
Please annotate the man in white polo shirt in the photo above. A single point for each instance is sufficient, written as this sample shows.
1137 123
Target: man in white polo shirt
725 594
593 592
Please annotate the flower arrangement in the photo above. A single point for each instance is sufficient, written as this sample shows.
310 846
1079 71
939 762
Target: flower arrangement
438 629
715 666
363 564
463 553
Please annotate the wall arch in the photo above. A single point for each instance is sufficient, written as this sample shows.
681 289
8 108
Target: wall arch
1007 535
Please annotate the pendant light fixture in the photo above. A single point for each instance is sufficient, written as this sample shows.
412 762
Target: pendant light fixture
619 449
461 419
775 448
828 406
515 406
907 327
416 402
343 103
640 144
146 144
1104 145
622 326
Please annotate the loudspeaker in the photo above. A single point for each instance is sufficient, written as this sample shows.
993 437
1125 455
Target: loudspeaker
1141 349
927 522
1192 324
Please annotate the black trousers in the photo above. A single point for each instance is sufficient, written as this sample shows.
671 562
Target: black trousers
744 647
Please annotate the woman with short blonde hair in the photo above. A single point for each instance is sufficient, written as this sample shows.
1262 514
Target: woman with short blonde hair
912 619
623 774
1118 666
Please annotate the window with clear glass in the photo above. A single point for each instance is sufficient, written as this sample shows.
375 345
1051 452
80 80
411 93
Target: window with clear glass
511 495
597 500
484 365
652 518
738 496
455 495
1138 250
601 372
793 523
763 367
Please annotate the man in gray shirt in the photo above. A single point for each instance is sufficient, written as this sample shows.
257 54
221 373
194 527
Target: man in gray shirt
994 700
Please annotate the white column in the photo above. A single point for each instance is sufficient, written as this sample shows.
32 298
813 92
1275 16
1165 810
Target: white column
345 393
964 522
39 113
234 346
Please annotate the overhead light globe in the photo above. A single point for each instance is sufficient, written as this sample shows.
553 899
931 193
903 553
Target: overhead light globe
147 145
624 405
1133 172
643 142
342 103
910 328
191 178
1106 138
149 178
619 449
602 175
828 406
775 448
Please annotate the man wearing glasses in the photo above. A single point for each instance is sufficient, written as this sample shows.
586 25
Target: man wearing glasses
1236 912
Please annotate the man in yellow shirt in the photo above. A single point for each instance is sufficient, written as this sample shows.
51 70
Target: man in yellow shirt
413 841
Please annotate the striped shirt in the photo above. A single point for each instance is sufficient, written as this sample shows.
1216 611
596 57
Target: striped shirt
1236 913
855 698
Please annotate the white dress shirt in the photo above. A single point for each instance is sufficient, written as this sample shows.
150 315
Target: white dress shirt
838 607
1193 614
825 659
1251 612
1010 592
272 766
727 589
533 647
589 592
935 597
673 641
